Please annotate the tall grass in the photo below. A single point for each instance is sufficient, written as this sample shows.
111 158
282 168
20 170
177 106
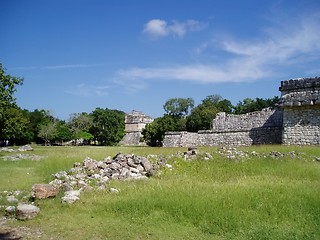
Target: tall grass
249 198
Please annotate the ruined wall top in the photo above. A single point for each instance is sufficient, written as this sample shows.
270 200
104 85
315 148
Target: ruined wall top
245 122
137 117
300 92
136 121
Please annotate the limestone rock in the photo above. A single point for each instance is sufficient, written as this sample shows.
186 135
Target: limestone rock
10 210
25 148
146 164
26 211
71 196
40 191
12 199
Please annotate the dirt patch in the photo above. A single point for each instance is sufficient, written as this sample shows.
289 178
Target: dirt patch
9 233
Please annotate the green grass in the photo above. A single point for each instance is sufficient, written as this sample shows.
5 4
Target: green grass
249 198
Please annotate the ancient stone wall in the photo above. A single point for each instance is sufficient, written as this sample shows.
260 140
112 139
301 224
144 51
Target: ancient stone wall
135 122
262 127
300 100
297 121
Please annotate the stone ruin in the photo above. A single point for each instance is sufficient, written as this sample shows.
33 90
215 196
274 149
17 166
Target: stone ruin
300 102
135 122
295 121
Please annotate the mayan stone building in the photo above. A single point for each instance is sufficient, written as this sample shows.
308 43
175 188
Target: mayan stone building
296 121
135 122
300 100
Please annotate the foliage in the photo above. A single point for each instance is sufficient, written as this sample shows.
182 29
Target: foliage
84 135
55 132
8 106
154 132
63 132
80 125
48 132
108 126
178 106
201 116
15 126
8 88
251 105
37 119
80 122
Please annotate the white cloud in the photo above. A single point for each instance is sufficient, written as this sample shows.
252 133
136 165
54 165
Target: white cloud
54 67
157 28
289 46
84 90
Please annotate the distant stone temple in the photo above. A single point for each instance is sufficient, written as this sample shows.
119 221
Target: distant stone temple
135 122
296 121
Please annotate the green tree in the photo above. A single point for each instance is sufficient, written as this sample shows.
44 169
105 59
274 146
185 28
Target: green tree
48 132
37 119
108 126
154 132
8 86
201 116
178 106
80 125
63 132
15 126
251 105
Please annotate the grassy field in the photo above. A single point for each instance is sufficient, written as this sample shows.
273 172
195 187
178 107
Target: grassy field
252 197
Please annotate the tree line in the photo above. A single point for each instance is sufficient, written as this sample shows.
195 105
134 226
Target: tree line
106 126
181 115
20 126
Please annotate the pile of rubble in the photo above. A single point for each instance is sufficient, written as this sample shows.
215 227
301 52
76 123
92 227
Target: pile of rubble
92 173
20 149
82 176
20 156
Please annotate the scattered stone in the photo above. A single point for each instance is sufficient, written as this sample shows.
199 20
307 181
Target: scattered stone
26 211
169 166
276 155
114 190
232 153
41 191
71 196
208 156
18 157
12 199
5 149
25 148
10 210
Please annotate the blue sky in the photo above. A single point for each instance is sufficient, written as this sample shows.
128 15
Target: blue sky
76 55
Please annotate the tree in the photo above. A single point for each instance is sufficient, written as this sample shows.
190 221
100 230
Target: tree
251 105
108 126
178 106
63 132
15 126
48 133
201 116
154 132
37 119
8 86
80 125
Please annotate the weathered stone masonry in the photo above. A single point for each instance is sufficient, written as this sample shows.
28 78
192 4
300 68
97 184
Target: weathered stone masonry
297 121
135 122
264 127
301 111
